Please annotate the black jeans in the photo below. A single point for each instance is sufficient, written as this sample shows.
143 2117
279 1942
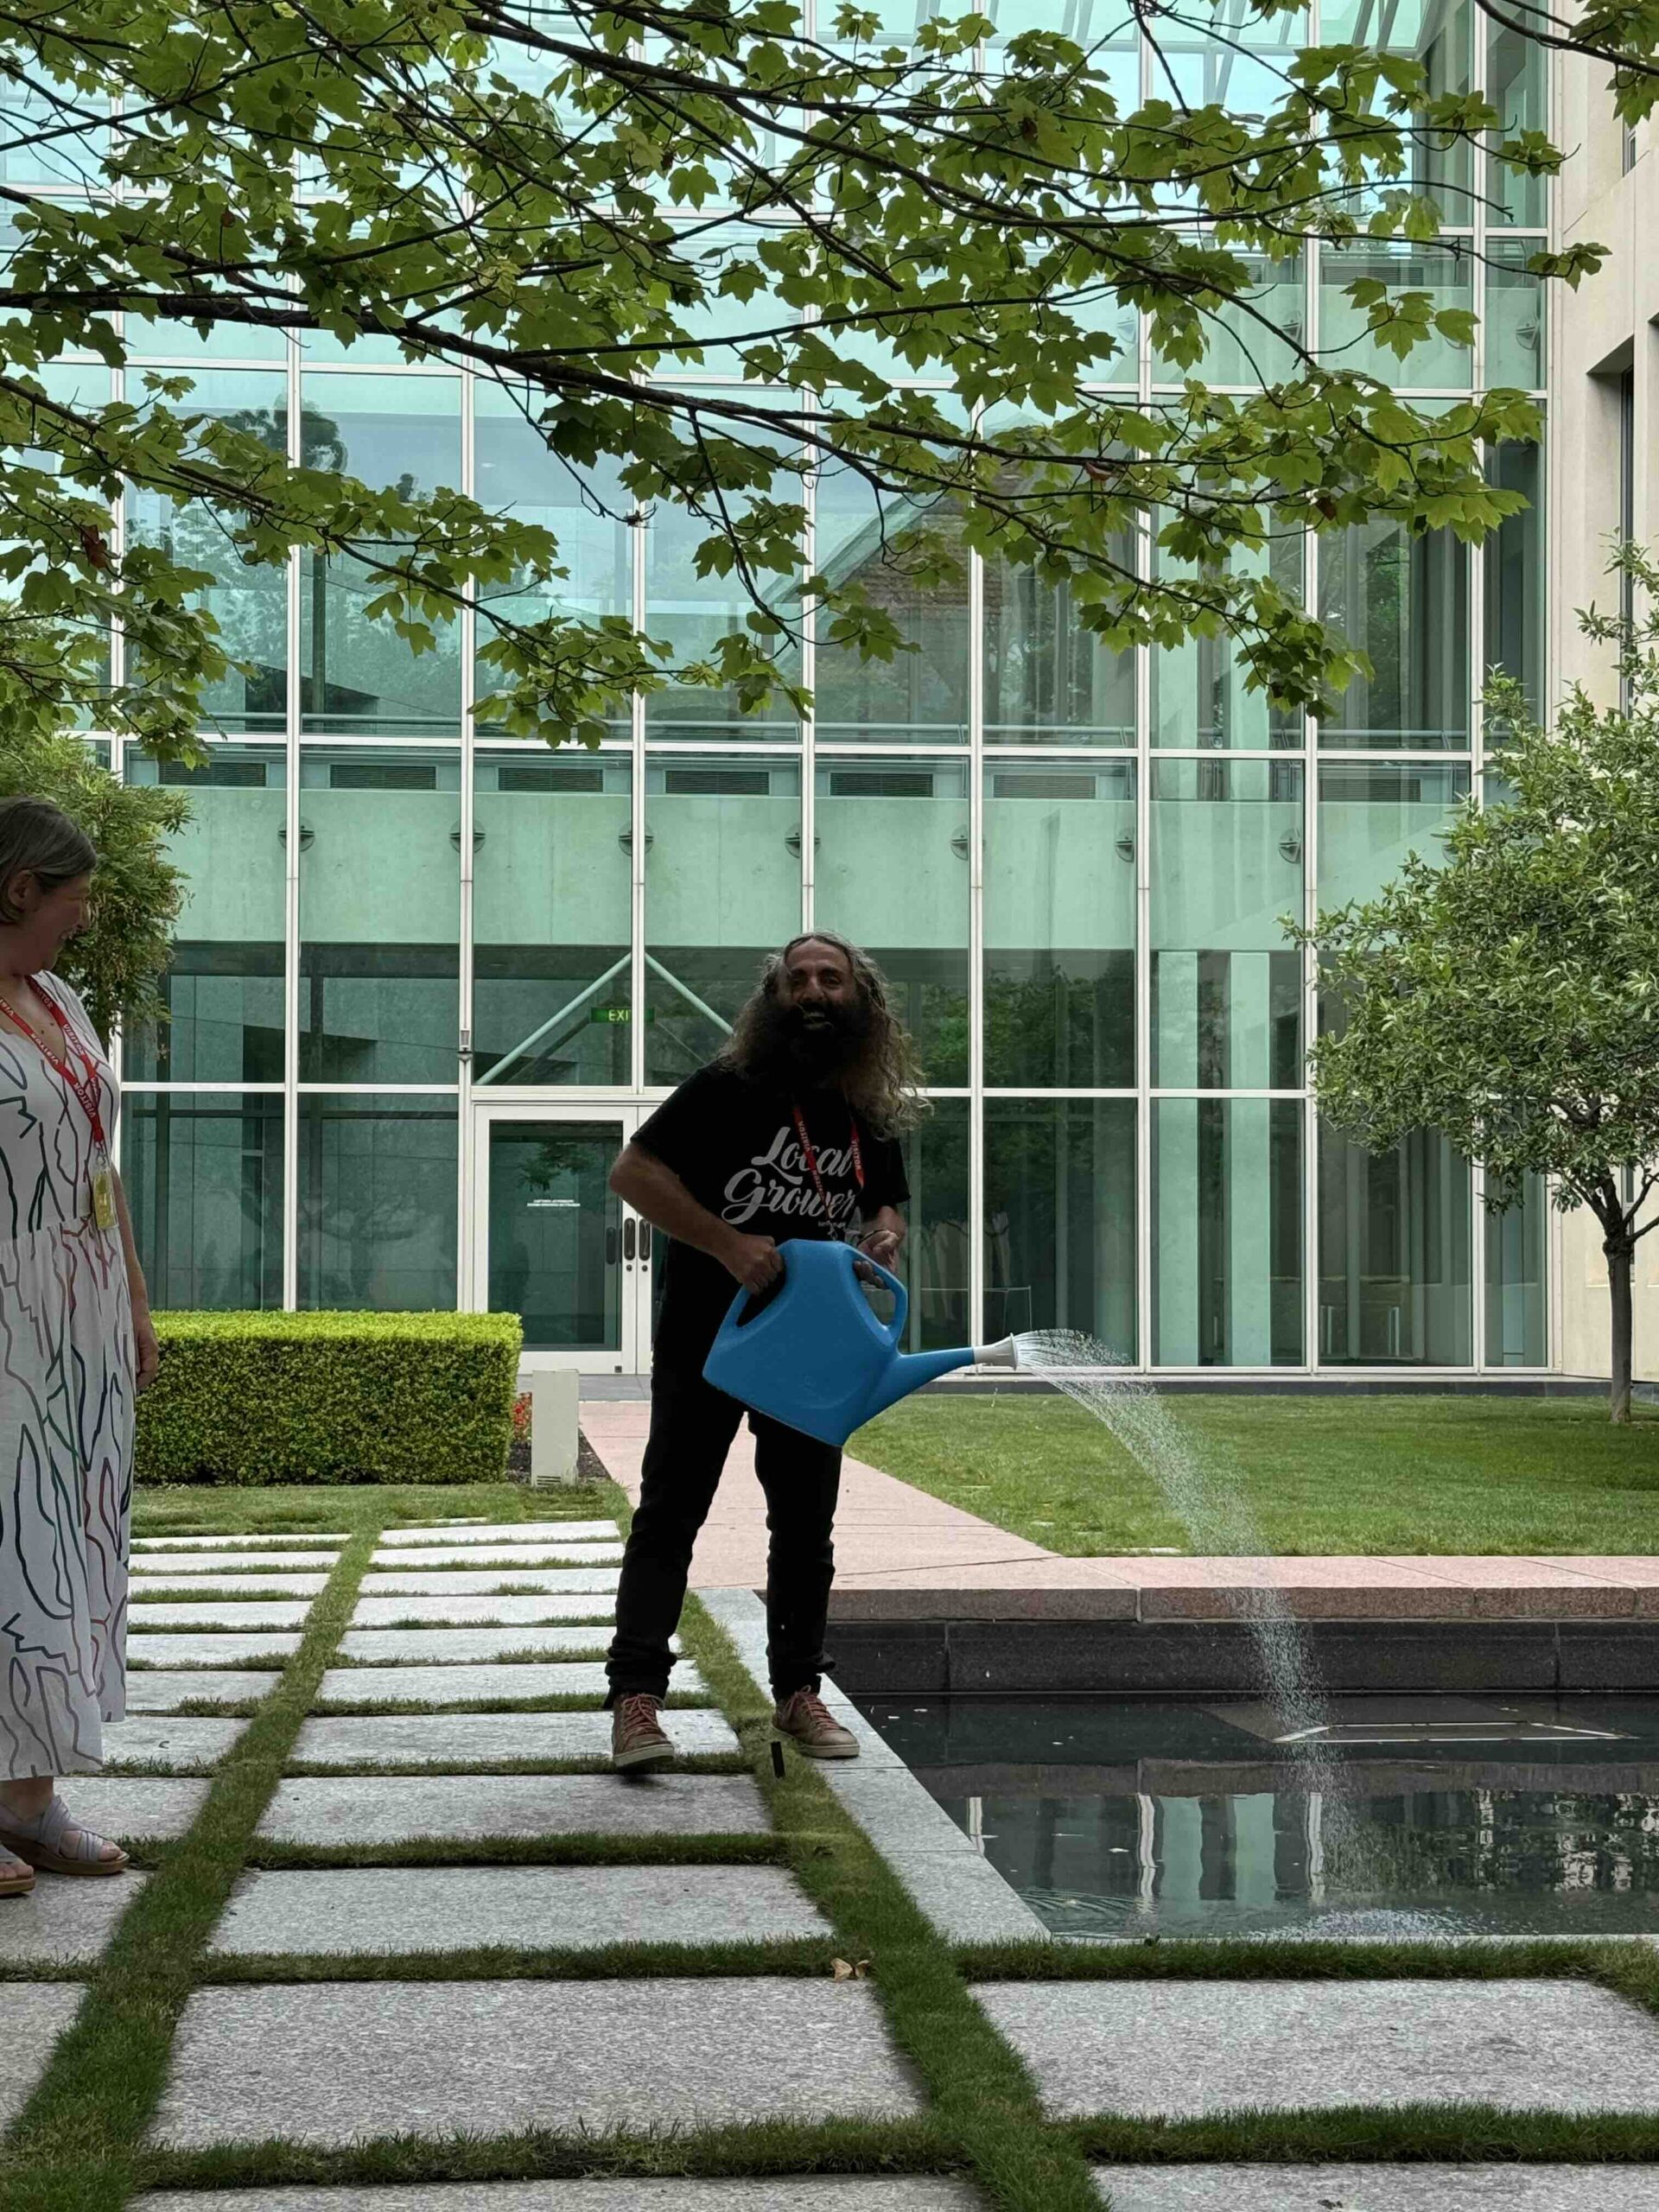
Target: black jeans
692 1426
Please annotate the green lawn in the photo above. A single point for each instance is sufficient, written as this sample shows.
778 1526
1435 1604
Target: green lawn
1386 1474
295 1509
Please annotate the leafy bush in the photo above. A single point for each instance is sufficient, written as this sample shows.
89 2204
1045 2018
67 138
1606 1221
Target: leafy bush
252 1398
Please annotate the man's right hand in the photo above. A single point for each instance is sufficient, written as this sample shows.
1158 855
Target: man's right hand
754 1261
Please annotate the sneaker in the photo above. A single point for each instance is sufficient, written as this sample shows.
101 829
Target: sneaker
637 1743
805 1719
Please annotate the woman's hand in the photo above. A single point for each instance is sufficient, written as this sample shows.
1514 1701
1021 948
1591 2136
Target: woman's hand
146 1352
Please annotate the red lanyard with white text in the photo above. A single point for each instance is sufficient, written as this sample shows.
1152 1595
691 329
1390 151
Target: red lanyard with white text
85 1086
811 1158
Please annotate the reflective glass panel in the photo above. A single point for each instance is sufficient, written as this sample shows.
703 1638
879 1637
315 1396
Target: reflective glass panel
1517 1275
1227 1232
378 1203
1372 813
1514 316
1253 339
1226 865
555 1232
1437 34
1226 55
892 874
1200 697
1059 926
722 890
1393 1254
356 676
1403 601
203 1174
1048 681
938 1248
379 914
1518 85
1436 363
552 902
51 132
1059 1218
1515 572
223 983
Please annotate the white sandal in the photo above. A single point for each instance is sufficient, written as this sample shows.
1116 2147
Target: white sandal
41 1842
16 1876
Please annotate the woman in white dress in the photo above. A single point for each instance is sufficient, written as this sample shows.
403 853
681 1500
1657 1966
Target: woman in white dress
76 1345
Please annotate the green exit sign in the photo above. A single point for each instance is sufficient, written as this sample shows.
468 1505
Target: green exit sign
614 1013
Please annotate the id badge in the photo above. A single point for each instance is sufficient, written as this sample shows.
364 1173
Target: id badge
103 1195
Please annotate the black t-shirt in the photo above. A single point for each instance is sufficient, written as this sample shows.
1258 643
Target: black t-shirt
733 1143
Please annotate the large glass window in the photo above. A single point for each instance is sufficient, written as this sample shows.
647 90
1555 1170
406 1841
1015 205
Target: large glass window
379 914
203 1174
1226 866
1227 1232
1404 602
892 874
1517 1261
1048 681
223 983
722 890
1439 33
1059 1218
938 1250
356 676
1447 272
1372 813
1059 926
377 1203
552 906
1393 1254
1518 85
1200 696
1253 338
1514 573
1515 317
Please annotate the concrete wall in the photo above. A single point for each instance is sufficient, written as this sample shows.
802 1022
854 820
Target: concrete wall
1607 327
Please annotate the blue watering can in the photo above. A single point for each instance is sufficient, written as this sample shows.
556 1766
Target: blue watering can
810 1352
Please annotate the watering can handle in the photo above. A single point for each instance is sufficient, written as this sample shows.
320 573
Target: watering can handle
895 1328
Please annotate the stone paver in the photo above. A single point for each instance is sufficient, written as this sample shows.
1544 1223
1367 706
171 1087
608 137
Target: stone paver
1380 2189
371 1809
815 2193
469 1647
486 1687
165 1689
187 1566
482 1612
209 1587
484 1739
277 1541
62 1924
134 1807
391 1910
497 1532
36 2014
427 1559
455 1582
1180 2050
215 1648
221 1613
331 2063
169 1739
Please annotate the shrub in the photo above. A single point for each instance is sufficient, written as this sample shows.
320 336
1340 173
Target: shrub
330 1398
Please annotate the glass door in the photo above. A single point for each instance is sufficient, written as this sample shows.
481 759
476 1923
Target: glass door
555 1244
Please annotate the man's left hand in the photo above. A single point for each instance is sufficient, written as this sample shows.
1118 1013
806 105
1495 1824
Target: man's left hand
881 1245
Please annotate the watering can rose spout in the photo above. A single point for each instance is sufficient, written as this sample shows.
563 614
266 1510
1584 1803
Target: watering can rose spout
812 1353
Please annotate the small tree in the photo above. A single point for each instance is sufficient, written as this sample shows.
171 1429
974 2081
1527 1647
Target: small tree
118 964
1510 996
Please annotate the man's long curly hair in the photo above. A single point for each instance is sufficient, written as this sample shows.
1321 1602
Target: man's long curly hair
884 1083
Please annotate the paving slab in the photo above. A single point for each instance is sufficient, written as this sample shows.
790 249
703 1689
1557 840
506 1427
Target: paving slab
37 2013
389 1910
63 1924
218 1613
1379 2188
482 1612
165 1689
501 1532
375 1809
180 1741
814 2193
429 1558
332 2062
469 1647
175 1585
456 1582
264 1650
1185 2049
484 1686
187 1565
207 1540
134 1807
484 1739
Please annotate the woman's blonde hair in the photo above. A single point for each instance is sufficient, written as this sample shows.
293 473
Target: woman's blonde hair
884 1083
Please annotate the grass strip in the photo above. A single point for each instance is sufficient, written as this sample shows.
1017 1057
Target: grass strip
554 1702
74 2146
573 1850
437 1769
777 1958
1289 1959
300 1510
1366 2134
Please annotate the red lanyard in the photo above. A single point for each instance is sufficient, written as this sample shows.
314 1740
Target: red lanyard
812 1157
84 1085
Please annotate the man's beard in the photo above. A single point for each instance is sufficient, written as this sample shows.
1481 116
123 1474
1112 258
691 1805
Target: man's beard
807 1045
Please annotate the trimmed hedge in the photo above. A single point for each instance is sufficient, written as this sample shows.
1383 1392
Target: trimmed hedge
250 1398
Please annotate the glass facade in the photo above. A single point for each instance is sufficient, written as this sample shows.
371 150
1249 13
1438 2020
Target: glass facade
1072 864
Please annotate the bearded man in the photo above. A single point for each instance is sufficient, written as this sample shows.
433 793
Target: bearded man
790 1132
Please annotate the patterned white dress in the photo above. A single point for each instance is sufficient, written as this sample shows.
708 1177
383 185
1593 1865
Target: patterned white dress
66 1417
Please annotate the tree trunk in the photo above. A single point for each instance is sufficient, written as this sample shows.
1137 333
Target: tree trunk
1621 1255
